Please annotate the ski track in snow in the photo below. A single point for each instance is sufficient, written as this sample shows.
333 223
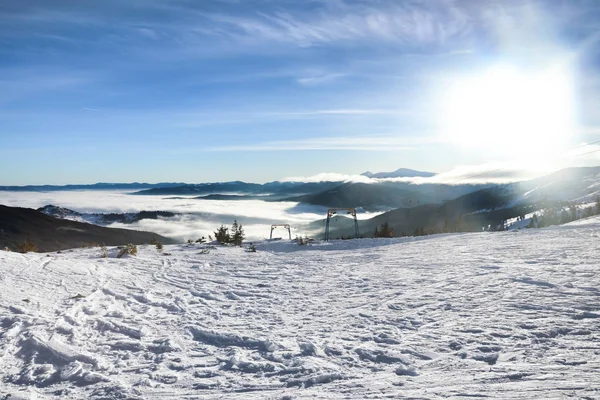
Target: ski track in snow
501 315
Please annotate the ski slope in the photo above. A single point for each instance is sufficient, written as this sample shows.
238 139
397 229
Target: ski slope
501 315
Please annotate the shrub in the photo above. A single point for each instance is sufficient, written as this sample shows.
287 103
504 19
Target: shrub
201 240
130 249
103 252
156 243
190 241
303 241
27 246
7 249
251 248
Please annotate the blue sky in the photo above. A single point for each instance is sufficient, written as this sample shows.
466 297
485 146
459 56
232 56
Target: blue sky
258 90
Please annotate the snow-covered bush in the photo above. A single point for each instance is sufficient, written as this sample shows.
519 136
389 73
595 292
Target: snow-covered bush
130 249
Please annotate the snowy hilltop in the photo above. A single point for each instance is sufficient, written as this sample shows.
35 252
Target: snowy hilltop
503 315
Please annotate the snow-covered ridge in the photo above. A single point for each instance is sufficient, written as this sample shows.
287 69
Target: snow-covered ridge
506 315
102 219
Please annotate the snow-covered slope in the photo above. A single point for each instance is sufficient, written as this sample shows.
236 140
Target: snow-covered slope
502 315
572 184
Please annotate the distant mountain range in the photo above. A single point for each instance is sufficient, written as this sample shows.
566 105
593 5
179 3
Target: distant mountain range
407 206
399 173
378 195
242 190
95 186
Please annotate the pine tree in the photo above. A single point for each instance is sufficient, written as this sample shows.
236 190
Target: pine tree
386 230
237 233
534 221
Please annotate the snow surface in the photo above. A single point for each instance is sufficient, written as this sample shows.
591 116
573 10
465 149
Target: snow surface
502 315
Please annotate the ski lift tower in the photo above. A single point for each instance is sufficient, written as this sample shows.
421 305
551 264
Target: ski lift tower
285 226
333 211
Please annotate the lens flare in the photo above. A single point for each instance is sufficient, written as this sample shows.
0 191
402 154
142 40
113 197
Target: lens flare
509 111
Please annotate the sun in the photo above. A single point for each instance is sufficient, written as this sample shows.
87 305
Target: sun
504 110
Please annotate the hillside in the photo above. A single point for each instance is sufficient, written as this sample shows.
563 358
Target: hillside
385 195
488 315
102 218
50 234
576 184
474 211
470 212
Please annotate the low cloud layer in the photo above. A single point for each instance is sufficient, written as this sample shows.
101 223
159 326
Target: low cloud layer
469 174
198 217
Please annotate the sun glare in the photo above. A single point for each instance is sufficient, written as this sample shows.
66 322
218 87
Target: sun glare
508 111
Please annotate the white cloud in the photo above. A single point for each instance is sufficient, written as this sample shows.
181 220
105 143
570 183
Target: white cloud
329 177
495 172
467 174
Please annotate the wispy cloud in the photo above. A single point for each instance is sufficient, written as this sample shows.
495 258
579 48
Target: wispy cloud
366 143
402 22
192 119
334 112
22 83
319 79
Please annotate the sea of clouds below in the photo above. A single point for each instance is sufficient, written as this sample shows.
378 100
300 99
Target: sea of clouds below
197 217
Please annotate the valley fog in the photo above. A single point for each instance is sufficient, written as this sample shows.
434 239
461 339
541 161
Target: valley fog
197 217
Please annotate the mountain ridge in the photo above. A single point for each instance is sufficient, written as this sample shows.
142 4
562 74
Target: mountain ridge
399 173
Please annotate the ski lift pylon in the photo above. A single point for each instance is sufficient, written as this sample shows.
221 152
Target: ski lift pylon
285 226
